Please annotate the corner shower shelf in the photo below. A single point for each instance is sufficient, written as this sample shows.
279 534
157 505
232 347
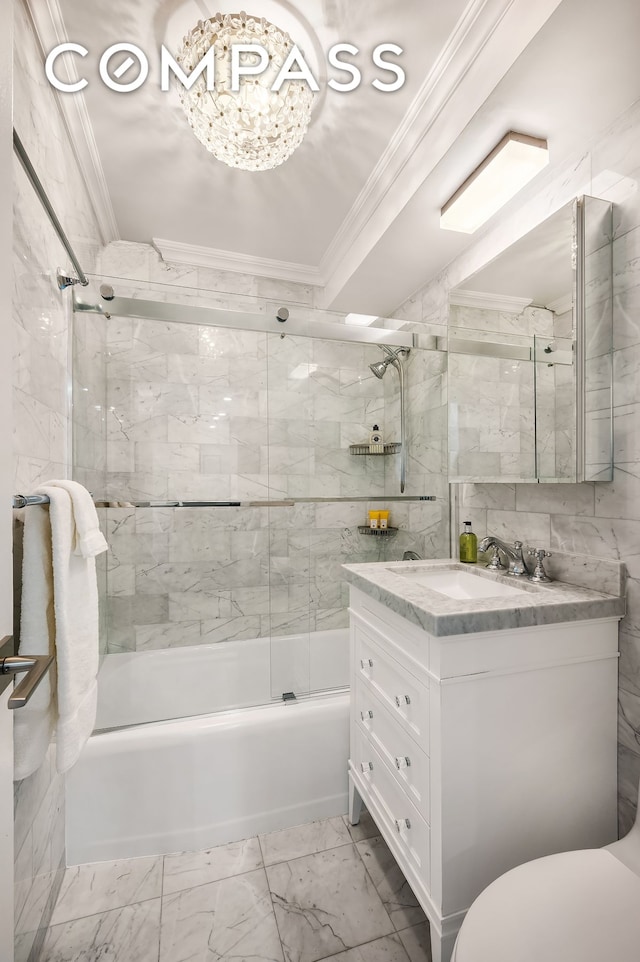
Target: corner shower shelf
392 447
377 532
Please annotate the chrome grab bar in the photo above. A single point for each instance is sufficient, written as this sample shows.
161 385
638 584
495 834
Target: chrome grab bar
36 667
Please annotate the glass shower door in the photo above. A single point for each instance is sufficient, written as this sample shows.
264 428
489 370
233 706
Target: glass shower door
232 495
322 399
186 490
289 453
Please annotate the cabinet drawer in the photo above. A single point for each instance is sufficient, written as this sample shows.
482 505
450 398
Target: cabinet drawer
408 638
405 696
400 816
408 763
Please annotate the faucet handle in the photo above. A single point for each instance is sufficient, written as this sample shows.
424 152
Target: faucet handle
539 574
539 553
496 564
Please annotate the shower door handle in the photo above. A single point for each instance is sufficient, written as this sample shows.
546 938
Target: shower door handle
36 667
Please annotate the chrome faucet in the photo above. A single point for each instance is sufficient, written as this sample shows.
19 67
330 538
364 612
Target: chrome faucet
517 565
411 556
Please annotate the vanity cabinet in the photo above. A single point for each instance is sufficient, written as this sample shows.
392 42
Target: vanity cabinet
477 752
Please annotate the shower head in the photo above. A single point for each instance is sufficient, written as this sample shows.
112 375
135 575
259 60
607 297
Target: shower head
379 368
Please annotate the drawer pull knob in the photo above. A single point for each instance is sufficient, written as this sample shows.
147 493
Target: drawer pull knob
366 663
402 700
366 767
366 714
402 823
403 761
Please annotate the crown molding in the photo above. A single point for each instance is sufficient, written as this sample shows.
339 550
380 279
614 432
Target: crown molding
487 40
489 302
50 30
196 256
561 304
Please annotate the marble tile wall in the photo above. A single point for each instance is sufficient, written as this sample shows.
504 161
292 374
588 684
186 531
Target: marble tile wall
492 399
598 325
423 527
597 519
555 402
202 575
125 264
216 414
89 428
41 345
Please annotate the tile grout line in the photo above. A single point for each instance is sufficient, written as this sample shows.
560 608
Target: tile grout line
115 908
163 894
394 932
273 910
361 945
294 858
368 873
161 908
214 881
285 862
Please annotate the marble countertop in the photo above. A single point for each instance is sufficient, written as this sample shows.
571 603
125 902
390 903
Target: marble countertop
534 604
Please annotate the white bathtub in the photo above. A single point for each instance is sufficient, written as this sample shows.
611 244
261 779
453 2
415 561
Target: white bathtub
148 686
199 781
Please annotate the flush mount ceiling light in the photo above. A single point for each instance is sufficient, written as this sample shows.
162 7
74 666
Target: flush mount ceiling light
255 128
510 165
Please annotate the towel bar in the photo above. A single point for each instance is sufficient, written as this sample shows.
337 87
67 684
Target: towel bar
36 667
22 500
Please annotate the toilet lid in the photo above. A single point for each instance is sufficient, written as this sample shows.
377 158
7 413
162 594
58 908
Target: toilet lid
575 907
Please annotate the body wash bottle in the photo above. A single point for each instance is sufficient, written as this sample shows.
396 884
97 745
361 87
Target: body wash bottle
376 445
468 545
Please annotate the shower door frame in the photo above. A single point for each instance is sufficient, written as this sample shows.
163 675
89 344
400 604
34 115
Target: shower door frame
7 923
398 334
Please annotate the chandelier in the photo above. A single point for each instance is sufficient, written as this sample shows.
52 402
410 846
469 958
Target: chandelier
254 128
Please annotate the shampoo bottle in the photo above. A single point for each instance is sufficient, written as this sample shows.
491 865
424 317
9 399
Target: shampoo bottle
376 445
468 545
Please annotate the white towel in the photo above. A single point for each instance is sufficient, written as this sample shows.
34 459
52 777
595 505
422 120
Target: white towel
75 609
89 540
33 724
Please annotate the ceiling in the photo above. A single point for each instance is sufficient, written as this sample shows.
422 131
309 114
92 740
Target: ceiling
355 209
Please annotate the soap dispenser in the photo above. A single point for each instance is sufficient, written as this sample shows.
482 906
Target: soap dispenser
468 545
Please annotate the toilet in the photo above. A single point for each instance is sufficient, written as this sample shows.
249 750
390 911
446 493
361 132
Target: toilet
581 906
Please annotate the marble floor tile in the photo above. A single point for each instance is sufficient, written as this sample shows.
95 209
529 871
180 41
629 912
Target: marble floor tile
102 886
390 883
232 919
326 903
122 935
187 870
22 946
388 949
303 840
417 942
366 827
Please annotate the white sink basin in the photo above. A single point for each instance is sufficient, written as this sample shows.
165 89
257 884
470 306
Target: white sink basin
457 584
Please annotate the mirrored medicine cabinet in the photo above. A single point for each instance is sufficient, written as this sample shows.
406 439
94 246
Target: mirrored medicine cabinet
530 356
